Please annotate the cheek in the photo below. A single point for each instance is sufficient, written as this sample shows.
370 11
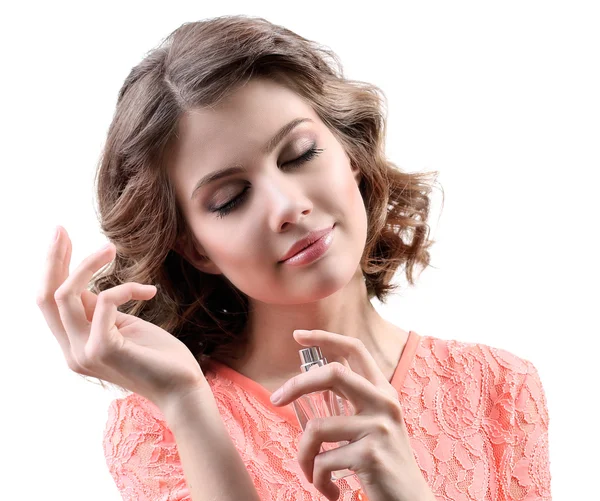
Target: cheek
342 180
354 206
238 253
351 193
351 189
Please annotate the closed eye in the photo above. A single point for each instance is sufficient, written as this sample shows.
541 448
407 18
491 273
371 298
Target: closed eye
232 204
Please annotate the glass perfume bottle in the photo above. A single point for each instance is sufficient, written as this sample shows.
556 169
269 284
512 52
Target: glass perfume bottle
322 403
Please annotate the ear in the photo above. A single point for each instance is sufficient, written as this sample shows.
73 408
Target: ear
192 251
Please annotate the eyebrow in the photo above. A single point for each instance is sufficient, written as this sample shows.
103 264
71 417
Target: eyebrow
235 169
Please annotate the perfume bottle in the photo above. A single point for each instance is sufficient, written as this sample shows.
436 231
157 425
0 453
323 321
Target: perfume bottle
321 403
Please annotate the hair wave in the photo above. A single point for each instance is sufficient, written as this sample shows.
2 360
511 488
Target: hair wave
196 66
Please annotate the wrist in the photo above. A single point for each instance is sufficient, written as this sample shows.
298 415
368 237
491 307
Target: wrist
182 405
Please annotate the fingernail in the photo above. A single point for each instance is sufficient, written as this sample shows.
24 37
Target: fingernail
56 234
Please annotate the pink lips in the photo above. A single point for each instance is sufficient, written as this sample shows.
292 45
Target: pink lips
319 243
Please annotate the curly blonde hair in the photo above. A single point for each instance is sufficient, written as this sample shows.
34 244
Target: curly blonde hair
196 66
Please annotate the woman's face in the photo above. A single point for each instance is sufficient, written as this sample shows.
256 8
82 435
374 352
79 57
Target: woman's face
278 198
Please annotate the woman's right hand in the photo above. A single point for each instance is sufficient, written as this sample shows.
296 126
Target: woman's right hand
99 341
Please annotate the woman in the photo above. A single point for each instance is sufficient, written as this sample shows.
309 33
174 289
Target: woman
246 178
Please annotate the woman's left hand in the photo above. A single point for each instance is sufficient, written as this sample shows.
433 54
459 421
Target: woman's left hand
379 451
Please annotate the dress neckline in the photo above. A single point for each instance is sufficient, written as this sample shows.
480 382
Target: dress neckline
287 412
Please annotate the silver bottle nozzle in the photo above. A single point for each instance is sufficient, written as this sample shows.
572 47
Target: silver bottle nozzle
311 356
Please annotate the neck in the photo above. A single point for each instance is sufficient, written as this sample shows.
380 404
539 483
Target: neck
271 355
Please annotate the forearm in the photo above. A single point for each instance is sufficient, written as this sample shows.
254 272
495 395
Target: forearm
213 468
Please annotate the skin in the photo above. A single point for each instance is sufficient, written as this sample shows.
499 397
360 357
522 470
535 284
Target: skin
379 450
282 204
327 298
99 341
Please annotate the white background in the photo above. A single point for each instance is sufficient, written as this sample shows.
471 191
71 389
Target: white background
503 99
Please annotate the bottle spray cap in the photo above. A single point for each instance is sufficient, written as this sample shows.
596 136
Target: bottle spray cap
311 356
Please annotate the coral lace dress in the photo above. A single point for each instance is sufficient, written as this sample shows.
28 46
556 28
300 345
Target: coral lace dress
477 417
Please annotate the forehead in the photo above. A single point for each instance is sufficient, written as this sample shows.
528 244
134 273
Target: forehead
249 115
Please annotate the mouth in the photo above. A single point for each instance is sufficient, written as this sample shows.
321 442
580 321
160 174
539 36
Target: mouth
312 252
305 242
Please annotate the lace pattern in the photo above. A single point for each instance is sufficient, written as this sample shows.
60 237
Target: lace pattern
478 422
477 417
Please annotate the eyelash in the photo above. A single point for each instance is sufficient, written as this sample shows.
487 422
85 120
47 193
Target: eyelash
228 207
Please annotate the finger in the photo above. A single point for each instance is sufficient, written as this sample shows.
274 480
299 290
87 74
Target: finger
89 299
350 348
339 359
68 296
55 273
330 462
330 429
59 253
342 381
104 336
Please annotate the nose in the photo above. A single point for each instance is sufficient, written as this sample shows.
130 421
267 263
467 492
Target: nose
286 201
